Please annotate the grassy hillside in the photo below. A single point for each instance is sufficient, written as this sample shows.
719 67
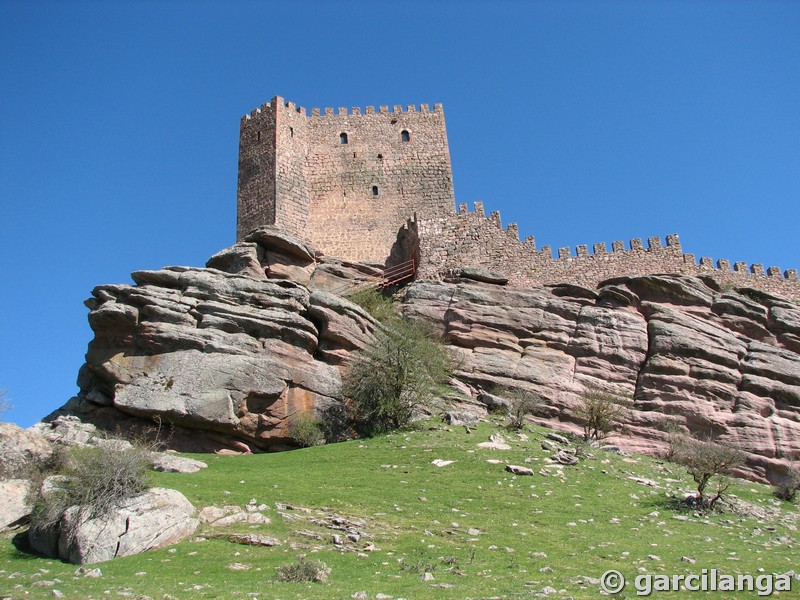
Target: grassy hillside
479 531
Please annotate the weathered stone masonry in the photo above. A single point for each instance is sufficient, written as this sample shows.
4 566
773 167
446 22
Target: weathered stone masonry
345 181
376 186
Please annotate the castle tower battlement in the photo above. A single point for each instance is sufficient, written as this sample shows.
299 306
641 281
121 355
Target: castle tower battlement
375 185
344 181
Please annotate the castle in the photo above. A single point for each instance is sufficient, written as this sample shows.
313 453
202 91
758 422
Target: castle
376 186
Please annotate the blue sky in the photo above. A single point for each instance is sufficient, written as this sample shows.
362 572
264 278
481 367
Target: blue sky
581 121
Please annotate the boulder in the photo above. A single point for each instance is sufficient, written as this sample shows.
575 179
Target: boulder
155 519
240 259
483 275
169 463
519 470
494 403
452 417
21 451
15 507
274 238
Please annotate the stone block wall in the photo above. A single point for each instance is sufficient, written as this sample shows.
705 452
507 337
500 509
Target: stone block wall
256 189
475 240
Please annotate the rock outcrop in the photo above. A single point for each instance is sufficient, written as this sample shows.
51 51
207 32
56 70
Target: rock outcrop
719 363
232 354
155 519
233 350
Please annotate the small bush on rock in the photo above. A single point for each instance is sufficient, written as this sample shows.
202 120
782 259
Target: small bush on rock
378 305
304 571
306 430
96 480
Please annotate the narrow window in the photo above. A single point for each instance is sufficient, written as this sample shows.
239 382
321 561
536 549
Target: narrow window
258 136
291 131
405 136
343 138
374 190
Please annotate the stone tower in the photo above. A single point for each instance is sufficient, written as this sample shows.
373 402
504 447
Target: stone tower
345 181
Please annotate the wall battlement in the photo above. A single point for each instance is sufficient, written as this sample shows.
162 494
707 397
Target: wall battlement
344 111
375 185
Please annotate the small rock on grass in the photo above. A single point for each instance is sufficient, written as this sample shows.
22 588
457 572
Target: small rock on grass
518 470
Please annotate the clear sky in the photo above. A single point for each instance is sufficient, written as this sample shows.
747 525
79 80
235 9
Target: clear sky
581 121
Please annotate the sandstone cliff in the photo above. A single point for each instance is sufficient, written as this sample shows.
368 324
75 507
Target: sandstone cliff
234 349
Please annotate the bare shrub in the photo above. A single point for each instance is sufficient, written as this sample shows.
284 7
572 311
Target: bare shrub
788 488
304 571
95 480
708 462
306 430
599 412
5 405
522 405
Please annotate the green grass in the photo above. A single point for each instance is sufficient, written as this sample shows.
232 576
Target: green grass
417 515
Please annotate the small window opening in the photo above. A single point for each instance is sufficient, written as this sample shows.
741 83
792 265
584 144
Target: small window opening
343 138
375 191
380 156
354 154
291 131
405 136
258 136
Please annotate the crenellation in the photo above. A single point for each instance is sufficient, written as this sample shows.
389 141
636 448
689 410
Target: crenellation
347 183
